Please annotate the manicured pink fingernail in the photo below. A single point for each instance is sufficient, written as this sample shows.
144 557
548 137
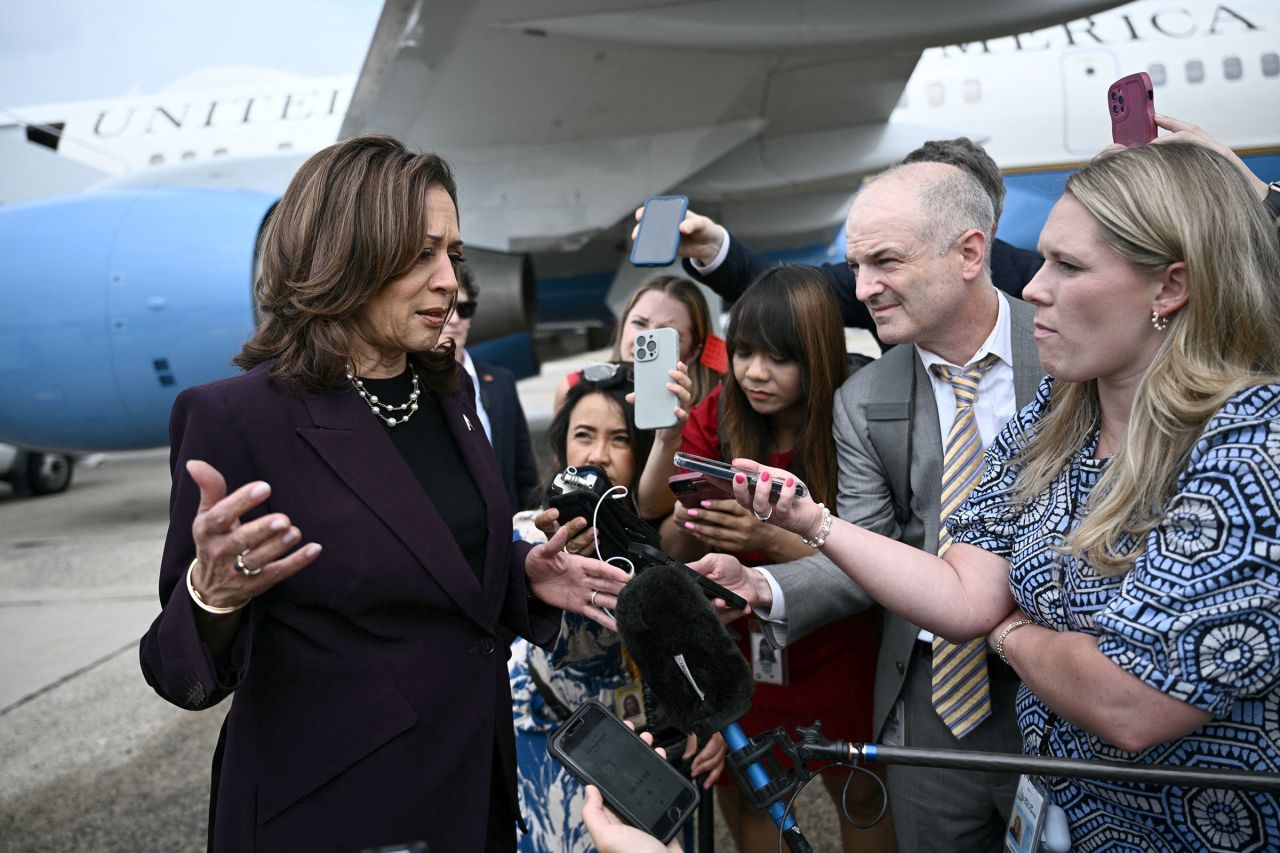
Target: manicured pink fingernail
693 512
791 481
706 504
764 476
689 525
739 478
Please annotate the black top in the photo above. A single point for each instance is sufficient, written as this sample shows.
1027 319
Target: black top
433 455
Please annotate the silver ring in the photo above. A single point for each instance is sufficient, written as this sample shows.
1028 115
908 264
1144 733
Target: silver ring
592 600
768 515
244 568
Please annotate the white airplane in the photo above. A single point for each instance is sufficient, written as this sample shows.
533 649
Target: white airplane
559 116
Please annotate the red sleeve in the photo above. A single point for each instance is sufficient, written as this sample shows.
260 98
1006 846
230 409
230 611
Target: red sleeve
701 433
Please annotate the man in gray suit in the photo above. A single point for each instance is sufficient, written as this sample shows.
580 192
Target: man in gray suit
917 239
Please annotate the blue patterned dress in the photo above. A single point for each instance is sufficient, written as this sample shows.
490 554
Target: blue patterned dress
1197 617
585 663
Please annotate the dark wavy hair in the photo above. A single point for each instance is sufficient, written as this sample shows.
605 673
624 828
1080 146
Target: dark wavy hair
616 391
353 219
790 313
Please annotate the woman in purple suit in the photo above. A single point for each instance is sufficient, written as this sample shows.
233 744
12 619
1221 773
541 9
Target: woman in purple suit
371 695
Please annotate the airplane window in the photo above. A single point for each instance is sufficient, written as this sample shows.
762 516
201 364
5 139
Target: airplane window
972 91
1231 67
1270 64
1195 71
188 155
935 94
157 160
1157 74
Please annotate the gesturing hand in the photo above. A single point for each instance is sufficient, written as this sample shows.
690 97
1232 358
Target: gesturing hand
576 584
236 561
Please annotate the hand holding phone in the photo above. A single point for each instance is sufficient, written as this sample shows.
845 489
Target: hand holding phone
659 232
722 471
636 782
1131 102
656 353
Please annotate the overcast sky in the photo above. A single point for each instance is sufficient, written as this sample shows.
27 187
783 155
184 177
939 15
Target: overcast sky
70 50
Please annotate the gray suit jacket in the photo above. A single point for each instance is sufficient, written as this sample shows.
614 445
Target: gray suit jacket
872 415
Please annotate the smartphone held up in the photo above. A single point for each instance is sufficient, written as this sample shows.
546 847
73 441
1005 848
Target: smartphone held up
656 353
659 231
1131 102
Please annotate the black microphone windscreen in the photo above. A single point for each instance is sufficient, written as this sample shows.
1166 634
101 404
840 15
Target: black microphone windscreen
684 653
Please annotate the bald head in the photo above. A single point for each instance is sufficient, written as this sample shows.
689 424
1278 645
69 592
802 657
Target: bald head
945 200
916 239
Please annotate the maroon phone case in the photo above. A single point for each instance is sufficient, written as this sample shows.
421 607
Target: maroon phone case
693 488
1131 101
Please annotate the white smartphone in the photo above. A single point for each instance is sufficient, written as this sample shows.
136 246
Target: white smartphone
656 352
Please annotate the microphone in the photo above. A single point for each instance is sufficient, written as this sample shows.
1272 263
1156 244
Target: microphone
695 671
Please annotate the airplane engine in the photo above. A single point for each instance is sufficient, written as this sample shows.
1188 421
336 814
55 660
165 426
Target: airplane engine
114 301
138 294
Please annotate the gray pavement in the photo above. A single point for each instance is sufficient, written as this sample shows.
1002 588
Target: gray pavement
90 758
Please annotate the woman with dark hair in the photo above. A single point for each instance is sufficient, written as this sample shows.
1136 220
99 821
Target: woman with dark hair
596 426
370 695
787 358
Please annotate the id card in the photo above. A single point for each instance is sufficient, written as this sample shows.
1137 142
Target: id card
628 705
768 665
1027 821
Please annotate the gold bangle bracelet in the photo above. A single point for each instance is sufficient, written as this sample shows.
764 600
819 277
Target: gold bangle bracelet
199 600
1007 629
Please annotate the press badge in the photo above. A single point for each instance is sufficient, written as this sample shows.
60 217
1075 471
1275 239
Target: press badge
768 665
1027 821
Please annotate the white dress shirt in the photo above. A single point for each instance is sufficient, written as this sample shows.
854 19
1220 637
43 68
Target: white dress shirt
470 366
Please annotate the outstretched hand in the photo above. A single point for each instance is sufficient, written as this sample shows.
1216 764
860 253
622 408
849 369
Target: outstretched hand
799 515
577 584
237 561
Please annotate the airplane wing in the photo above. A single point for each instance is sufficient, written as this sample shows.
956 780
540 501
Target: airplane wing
559 116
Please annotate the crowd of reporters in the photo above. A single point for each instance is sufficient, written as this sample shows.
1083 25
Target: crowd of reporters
1108 572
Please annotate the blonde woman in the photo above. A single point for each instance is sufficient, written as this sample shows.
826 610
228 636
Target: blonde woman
1122 548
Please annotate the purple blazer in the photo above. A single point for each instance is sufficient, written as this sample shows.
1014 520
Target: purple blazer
371 696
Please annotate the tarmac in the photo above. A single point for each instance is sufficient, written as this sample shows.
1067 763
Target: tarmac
90 758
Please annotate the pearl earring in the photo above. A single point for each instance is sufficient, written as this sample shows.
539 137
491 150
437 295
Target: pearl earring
1159 323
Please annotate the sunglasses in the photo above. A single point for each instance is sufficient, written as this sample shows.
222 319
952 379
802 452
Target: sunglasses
466 308
608 372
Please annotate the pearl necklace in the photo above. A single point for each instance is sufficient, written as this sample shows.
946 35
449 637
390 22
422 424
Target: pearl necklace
375 405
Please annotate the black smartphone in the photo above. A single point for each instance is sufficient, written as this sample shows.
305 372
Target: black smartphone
723 471
635 781
712 590
659 234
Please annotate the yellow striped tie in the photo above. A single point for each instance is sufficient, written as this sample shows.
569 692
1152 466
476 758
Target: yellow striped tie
961 692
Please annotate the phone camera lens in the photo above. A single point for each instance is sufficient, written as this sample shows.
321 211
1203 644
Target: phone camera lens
1120 100
1113 94
1115 110
651 346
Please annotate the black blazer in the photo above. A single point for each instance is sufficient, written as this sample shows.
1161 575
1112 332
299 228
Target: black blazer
511 441
371 699
1011 269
